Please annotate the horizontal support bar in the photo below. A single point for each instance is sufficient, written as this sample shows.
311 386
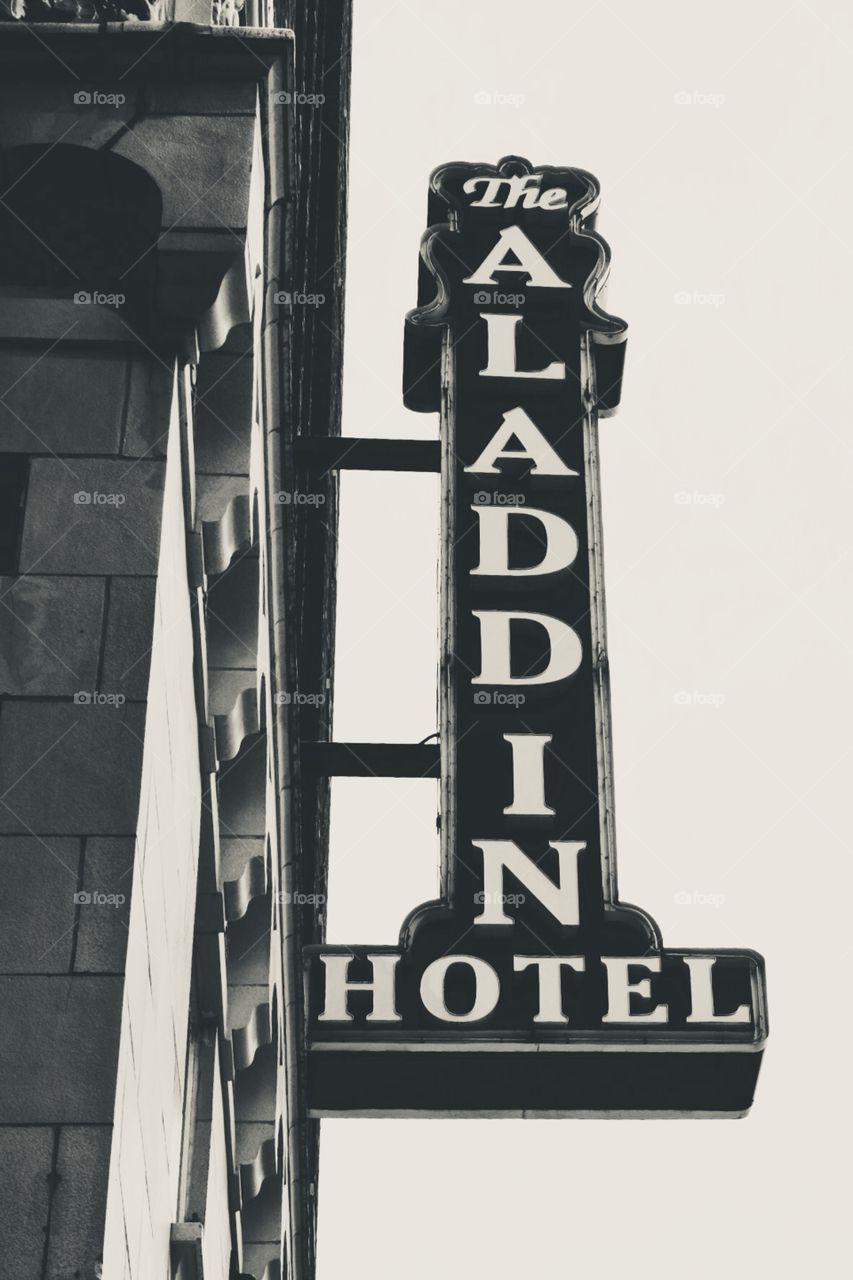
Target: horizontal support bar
356 453
371 759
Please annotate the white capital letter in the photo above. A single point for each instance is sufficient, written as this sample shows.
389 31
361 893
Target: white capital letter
530 260
561 899
487 989
702 993
550 987
338 988
487 200
495 657
500 344
528 774
520 426
619 989
561 542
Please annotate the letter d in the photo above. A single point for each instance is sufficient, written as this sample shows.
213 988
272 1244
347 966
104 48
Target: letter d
495 648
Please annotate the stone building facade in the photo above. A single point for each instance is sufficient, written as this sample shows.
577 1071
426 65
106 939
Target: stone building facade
171 191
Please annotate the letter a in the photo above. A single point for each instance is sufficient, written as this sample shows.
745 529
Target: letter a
530 261
518 424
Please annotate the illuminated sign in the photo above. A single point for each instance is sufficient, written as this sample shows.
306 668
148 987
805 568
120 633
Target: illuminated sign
529 988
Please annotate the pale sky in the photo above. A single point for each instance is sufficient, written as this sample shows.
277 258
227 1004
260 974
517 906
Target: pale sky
721 140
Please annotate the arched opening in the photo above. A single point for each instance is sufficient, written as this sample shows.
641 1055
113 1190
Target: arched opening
79 224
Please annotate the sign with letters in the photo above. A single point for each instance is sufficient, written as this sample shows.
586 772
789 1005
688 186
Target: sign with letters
528 988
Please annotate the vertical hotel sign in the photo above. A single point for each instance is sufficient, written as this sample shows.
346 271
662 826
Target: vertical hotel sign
529 988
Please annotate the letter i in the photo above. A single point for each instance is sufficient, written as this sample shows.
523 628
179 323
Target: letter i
528 774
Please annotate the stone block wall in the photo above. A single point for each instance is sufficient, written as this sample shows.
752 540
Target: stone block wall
76 621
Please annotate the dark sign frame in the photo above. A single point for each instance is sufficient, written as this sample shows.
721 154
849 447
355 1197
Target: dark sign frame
511 345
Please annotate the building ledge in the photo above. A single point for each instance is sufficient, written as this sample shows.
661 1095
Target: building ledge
141 49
